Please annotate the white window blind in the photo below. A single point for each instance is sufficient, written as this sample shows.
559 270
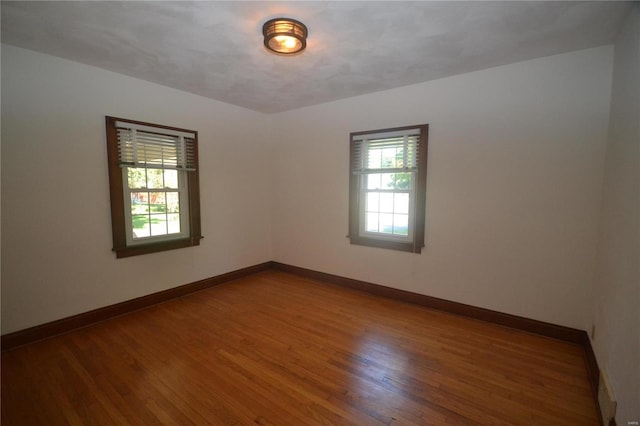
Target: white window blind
391 152
155 148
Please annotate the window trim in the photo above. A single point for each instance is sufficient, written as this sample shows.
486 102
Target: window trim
117 190
419 202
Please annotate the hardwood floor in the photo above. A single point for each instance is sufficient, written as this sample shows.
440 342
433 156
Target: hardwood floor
277 349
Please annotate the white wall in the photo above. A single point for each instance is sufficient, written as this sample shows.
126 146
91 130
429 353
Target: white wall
617 301
514 184
514 187
56 225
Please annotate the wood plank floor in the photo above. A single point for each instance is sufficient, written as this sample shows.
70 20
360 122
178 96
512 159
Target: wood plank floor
277 349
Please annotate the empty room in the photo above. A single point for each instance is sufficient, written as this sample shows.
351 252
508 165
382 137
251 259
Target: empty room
320 213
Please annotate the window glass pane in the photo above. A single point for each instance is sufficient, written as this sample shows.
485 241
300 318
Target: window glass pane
386 180
386 202
390 155
173 202
401 224
158 224
171 179
401 203
386 223
173 223
371 224
139 202
155 178
373 181
372 202
157 202
140 224
136 177
399 181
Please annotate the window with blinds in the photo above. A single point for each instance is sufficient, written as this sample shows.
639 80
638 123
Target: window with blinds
388 188
153 173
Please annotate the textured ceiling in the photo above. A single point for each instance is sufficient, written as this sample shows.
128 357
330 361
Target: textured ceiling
214 48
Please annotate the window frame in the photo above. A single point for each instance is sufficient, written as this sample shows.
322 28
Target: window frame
117 191
357 234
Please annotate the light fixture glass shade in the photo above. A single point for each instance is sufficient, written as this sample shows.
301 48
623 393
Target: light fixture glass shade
284 36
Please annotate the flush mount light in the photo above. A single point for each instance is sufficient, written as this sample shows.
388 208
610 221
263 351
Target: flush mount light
284 36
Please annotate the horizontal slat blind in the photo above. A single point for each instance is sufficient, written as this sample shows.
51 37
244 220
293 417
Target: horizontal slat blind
392 153
158 149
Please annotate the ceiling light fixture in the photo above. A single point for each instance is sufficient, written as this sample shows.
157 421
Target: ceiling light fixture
284 36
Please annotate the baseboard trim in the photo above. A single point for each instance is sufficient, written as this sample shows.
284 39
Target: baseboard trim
64 325
520 323
19 338
44 331
567 334
592 369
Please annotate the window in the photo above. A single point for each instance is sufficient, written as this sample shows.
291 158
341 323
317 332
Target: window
153 178
387 188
